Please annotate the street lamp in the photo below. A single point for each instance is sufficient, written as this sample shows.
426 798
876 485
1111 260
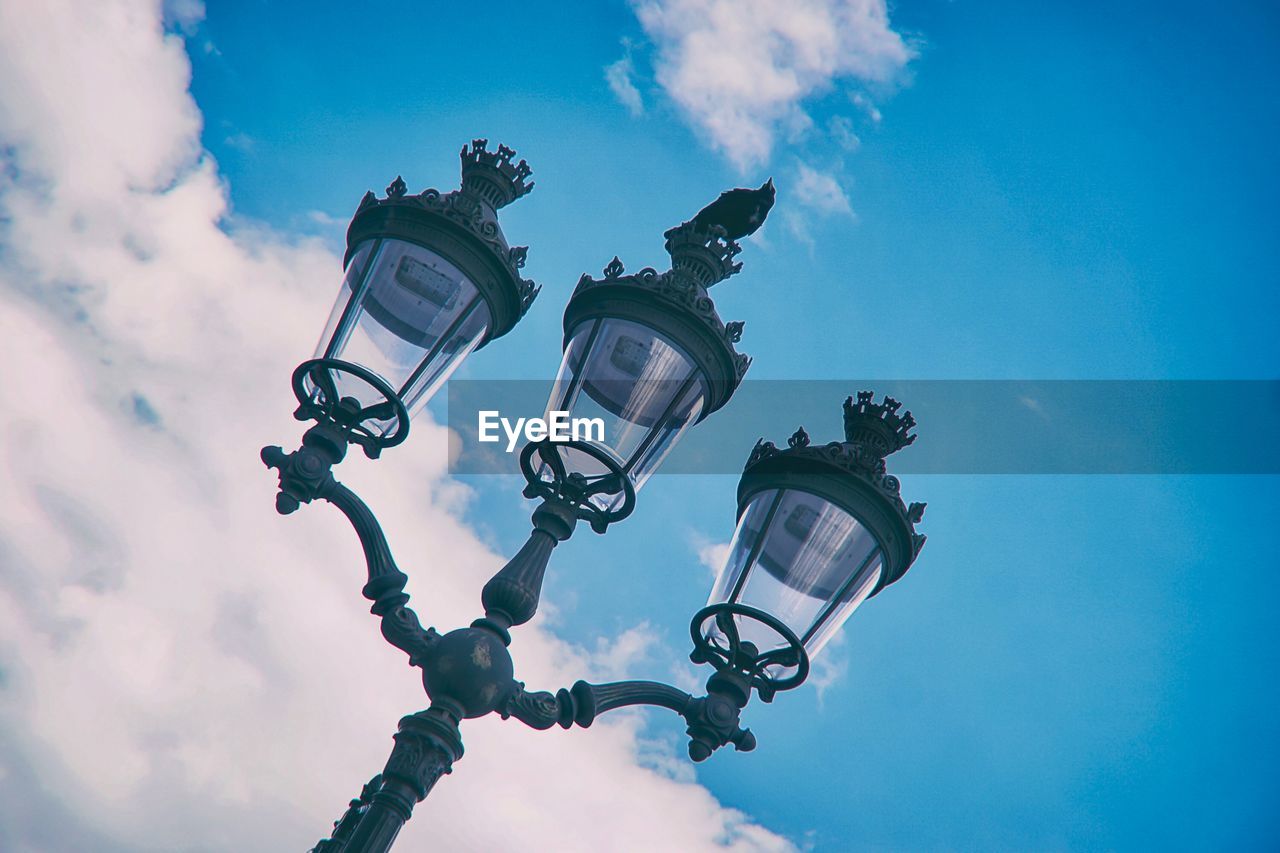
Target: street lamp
648 355
429 279
820 530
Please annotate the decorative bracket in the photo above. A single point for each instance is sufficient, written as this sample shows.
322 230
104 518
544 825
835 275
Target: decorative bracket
713 719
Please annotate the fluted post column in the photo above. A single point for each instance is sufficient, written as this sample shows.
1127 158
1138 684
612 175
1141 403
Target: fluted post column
427 744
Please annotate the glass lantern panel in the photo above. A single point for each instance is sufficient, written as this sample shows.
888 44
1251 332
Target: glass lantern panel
852 596
801 559
641 386
742 547
408 315
352 281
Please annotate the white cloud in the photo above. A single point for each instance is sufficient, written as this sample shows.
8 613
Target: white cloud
186 669
741 69
865 104
800 229
1035 406
820 192
816 194
841 130
620 76
242 142
616 656
185 14
830 666
712 555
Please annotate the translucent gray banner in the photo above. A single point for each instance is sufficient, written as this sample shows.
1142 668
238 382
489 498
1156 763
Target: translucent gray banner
965 426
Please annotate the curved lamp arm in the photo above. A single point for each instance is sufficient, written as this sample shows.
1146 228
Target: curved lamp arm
584 702
740 668
712 719
305 475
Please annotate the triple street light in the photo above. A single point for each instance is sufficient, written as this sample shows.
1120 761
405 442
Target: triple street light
429 279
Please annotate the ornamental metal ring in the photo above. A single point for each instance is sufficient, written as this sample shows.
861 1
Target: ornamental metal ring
352 421
733 657
576 488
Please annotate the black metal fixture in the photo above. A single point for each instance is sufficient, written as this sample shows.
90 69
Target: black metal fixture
649 355
820 530
430 278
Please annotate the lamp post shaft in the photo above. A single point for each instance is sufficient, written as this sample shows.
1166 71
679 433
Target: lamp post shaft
377 830
427 744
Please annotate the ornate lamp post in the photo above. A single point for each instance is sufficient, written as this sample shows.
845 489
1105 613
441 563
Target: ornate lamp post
430 278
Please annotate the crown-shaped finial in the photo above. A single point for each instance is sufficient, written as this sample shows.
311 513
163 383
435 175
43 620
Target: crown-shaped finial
703 253
492 175
877 426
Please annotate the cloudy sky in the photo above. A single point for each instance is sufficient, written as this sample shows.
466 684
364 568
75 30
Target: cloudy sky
965 191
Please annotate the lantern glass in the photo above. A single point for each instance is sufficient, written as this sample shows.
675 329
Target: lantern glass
799 558
407 314
640 385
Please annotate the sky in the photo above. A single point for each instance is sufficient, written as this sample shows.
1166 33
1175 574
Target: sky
965 191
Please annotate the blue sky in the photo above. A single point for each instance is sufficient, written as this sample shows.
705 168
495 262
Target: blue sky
1074 662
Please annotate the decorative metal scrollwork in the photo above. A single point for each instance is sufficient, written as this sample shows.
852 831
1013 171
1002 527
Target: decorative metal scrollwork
576 489
740 656
346 412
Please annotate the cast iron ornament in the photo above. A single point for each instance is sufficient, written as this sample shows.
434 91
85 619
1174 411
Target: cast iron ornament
852 474
468 672
575 489
676 302
462 226
739 212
